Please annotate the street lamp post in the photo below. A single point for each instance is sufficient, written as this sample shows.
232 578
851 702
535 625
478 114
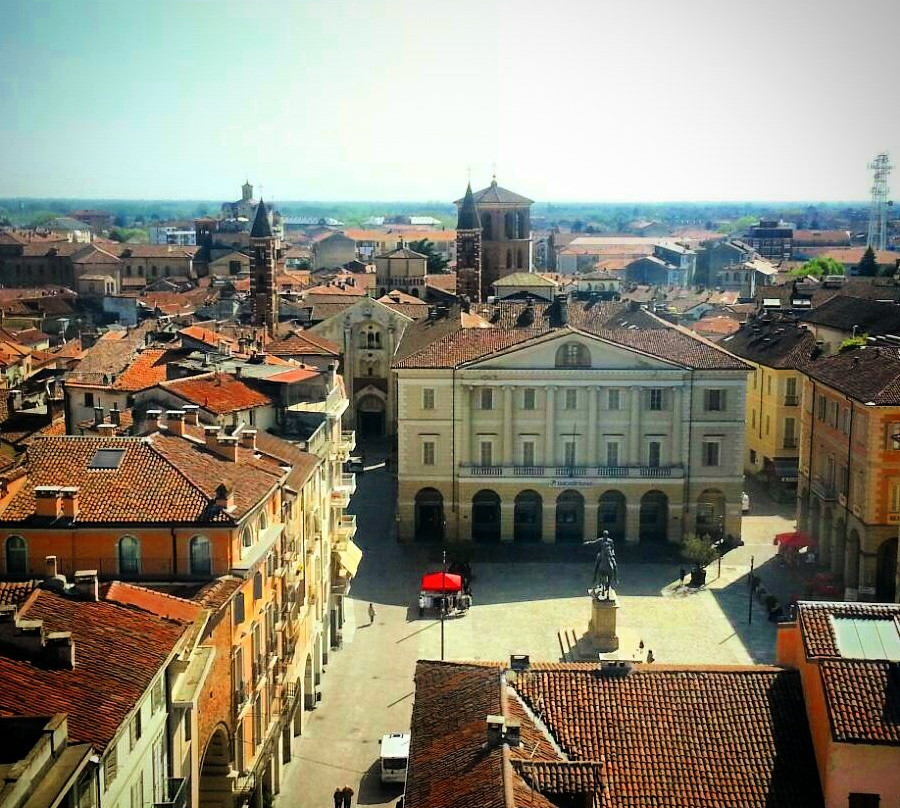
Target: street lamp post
443 599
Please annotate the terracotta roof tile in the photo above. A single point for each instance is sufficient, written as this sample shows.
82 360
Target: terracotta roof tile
220 393
868 373
118 653
216 594
147 369
303 343
16 591
149 600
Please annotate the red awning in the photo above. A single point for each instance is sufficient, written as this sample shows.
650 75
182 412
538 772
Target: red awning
796 539
441 582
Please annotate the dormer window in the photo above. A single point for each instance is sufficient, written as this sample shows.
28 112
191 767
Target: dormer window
573 355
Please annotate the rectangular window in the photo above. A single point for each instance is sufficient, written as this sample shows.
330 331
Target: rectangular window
860 800
613 401
821 405
428 453
569 447
134 730
710 453
654 453
111 765
487 453
753 456
428 398
137 791
769 385
714 400
612 453
528 399
790 391
571 399
894 437
895 497
753 419
239 746
528 453
487 398
655 399
158 696
790 434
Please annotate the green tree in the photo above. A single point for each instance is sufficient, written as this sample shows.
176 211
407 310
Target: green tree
818 267
436 262
868 266
698 550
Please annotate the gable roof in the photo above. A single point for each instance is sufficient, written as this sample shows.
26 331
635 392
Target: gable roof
774 342
524 279
846 312
869 373
118 653
219 393
495 194
303 343
146 370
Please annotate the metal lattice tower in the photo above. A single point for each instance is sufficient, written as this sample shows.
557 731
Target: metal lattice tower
881 167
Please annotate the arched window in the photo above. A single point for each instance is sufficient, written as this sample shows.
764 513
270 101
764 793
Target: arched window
520 259
522 221
247 537
573 355
200 556
257 586
509 258
16 556
487 226
129 556
510 229
263 521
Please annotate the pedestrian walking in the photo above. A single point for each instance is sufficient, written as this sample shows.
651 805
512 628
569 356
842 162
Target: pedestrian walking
338 797
650 658
347 794
371 620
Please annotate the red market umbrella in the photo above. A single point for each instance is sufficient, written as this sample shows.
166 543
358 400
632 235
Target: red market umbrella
795 539
441 582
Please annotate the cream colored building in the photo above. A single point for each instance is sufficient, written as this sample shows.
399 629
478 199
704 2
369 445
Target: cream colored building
509 434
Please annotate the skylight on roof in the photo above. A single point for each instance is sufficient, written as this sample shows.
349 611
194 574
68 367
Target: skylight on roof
107 459
867 638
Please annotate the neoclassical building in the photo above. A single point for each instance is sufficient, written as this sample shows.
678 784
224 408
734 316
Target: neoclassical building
566 419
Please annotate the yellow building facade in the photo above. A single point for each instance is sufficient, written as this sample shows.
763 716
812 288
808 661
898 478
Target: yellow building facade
565 434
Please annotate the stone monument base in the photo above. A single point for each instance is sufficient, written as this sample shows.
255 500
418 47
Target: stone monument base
602 635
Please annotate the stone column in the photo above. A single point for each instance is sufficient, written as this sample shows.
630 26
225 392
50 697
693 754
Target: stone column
507 514
550 428
678 454
591 457
591 512
548 516
633 519
508 451
634 428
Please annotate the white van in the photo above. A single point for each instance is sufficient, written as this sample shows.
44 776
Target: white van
394 757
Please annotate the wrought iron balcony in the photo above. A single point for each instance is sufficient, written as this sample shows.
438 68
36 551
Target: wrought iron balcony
574 472
174 793
791 401
344 488
823 489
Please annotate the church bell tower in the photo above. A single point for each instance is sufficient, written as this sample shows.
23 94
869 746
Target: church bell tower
468 248
263 254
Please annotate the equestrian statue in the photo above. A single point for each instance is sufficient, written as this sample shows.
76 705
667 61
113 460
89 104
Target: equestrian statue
605 568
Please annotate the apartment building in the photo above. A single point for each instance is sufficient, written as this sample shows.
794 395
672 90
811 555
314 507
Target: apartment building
565 419
777 349
849 490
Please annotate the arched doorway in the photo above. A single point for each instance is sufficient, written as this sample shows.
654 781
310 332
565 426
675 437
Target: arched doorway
711 513
570 517
654 516
215 785
528 517
886 572
612 514
851 566
486 516
429 515
370 416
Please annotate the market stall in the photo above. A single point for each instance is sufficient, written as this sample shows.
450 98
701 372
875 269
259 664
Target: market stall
443 591
796 547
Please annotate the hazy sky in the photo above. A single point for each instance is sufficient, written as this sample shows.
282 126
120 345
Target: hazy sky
395 99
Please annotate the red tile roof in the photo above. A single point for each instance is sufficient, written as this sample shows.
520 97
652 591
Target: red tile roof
16 591
208 337
303 343
118 653
160 479
149 600
673 736
295 375
147 369
219 393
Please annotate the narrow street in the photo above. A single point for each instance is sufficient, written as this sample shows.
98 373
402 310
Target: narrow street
519 607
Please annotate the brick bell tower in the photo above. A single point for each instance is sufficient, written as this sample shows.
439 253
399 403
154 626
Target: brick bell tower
468 248
263 254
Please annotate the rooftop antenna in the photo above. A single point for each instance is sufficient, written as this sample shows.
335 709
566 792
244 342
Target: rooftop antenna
881 168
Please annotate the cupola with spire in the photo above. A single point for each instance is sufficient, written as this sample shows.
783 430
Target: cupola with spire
261 227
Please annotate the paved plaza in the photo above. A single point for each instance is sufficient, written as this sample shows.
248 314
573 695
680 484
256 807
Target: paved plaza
519 607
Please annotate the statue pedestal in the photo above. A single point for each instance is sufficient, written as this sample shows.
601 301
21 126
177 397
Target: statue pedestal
602 635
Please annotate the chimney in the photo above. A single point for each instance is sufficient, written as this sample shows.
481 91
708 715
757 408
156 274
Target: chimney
225 496
210 436
60 647
98 416
70 506
228 447
562 309
494 730
175 421
153 418
519 662
86 586
248 439
115 415
51 568
48 501
106 430
191 414
513 733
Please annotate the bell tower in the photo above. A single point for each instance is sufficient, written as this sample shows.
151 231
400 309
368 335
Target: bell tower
263 254
468 248
246 191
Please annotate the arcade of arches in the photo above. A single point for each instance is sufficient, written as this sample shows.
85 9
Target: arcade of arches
862 557
549 515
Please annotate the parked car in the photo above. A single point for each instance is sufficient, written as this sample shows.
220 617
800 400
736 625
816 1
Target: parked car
745 502
394 757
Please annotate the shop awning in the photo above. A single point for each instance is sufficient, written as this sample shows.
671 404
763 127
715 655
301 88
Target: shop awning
349 556
787 469
441 582
796 539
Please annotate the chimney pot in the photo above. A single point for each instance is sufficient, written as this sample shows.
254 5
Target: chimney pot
175 421
48 501
50 566
248 439
191 414
519 662
154 417
70 503
513 733
86 585
106 430
225 496
494 730
98 415
115 415
228 447
210 436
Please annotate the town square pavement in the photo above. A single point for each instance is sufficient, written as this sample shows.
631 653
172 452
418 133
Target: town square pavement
535 607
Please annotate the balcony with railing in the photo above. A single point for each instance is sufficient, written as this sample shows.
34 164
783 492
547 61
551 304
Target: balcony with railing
344 488
791 401
574 472
345 528
823 489
346 444
241 697
174 793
